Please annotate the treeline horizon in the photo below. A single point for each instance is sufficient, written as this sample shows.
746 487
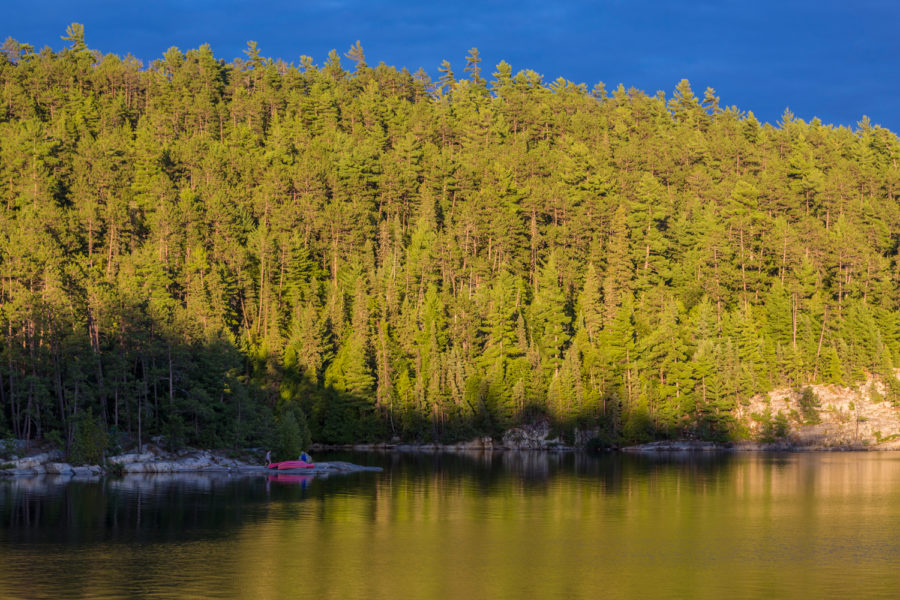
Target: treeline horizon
218 252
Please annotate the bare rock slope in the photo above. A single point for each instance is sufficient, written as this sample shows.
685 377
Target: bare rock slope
832 416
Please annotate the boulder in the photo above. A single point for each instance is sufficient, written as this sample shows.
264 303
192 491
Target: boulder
58 468
125 459
532 436
162 466
19 472
185 464
87 471
37 460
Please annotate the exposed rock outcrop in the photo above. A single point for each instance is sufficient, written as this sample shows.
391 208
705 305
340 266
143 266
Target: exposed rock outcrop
37 461
154 460
534 436
838 417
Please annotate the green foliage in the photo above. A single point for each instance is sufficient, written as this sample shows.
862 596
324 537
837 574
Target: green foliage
809 406
199 248
288 438
875 397
716 427
565 434
780 427
116 441
771 427
89 440
602 441
638 427
892 394
7 447
55 438
303 427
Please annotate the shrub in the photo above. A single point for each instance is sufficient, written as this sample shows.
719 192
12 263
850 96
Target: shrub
809 406
55 438
565 434
638 427
305 435
780 426
601 441
177 433
291 435
89 441
7 447
771 428
720 428
287 438
875 396
892 390
115 442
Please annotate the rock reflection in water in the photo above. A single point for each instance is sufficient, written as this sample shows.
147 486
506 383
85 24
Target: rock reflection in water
135 508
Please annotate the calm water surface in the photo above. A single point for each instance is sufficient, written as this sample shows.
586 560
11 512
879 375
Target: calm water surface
495 526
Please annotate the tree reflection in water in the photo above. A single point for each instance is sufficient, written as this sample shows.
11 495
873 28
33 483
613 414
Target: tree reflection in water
482 525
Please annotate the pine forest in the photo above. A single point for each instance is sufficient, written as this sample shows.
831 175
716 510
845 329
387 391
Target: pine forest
221 253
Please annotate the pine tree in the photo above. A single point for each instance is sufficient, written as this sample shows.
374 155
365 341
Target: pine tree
198 248
549 320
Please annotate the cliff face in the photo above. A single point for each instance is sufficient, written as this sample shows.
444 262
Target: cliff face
824 416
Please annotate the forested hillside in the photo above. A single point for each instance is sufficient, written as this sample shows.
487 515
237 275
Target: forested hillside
210 250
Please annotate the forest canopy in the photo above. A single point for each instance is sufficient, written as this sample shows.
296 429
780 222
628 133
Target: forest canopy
208 250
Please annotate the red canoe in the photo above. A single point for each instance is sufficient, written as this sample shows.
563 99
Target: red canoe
291 464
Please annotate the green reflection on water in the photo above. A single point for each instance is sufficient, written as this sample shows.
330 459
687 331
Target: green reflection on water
511 525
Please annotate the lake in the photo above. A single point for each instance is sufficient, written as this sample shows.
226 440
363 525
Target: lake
503 525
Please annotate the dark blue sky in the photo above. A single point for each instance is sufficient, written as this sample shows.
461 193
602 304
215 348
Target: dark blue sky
835 59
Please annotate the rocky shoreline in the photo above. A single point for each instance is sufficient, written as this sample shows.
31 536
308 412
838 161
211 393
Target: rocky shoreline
649 447
844 419
834 418
747 446
154 460
541 437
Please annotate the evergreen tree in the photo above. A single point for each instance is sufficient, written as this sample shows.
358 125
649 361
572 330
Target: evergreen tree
206 250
